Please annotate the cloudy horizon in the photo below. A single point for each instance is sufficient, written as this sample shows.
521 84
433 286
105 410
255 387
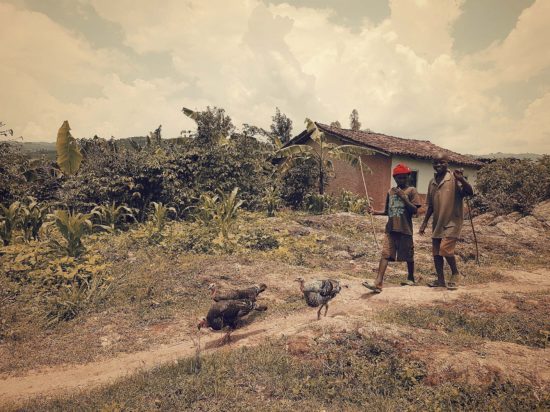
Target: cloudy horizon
467 75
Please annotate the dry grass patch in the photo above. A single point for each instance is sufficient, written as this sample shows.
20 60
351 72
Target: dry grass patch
341 371
525 324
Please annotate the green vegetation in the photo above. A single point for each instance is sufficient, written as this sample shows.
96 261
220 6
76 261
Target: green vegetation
511 185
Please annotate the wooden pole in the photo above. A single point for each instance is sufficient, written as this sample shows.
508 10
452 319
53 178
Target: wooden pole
368 203
473 229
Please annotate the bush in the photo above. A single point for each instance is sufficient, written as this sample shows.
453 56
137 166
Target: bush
298 182
510 185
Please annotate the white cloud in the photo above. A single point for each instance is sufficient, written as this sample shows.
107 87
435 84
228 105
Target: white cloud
248 58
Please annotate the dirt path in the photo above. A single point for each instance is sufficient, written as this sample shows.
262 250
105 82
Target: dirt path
354 303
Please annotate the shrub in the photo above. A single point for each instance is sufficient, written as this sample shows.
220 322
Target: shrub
511 185
298 182
318 204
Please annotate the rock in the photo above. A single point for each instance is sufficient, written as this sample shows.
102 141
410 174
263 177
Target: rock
341 254
542 212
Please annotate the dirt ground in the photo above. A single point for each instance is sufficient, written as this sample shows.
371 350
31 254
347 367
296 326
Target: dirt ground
115 341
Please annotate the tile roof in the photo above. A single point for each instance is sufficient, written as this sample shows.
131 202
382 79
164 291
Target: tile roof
421 149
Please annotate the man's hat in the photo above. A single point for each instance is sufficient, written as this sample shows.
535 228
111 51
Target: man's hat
401 169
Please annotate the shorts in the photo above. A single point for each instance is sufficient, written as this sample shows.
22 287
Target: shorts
398 247
444 247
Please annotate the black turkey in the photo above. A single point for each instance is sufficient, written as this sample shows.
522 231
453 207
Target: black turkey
226 315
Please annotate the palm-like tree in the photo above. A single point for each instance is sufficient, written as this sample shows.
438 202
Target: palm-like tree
323 154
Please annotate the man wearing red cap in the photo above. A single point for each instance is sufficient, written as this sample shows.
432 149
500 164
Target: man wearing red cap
402 202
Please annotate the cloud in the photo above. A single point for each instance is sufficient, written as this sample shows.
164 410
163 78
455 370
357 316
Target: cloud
246 57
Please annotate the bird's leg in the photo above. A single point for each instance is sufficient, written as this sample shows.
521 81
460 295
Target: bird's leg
326 309
319 312
226 338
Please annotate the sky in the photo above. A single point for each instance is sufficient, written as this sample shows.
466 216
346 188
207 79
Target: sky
469 75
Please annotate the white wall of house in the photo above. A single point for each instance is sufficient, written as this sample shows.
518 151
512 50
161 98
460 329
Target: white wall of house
425 171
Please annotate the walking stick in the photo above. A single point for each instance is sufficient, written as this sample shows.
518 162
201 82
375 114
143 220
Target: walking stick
473 229
368 203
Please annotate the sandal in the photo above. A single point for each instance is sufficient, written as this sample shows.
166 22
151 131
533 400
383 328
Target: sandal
408 283
452 286
371 286
436 284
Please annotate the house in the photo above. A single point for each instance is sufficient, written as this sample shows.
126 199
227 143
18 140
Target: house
389 151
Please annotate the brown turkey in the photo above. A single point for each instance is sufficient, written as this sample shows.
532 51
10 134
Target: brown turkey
226 315
250 293
319 292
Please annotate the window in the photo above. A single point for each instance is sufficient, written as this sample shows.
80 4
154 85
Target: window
413 178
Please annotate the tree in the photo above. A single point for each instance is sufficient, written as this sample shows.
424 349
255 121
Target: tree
5 132
336 124
354 122
322 155
213 125
281 126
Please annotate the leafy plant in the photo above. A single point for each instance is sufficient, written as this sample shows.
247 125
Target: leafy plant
322 153
10 219
33 217
159 215
351 202
318 204
272 200
111 216
72 226
68 153
225 214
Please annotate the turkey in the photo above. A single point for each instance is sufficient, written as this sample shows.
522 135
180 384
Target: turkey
227 313
237 294
319 292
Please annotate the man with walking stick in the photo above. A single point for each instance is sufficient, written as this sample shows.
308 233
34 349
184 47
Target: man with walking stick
446 192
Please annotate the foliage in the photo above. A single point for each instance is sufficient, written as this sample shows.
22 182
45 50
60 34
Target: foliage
354 123
68 153
213 125
318 204
298 181
351 202
10 220
112 217
64 284
259 239
72 226
225 212
159 215
281 126
272 200
33 217
322 153
510 185
336 124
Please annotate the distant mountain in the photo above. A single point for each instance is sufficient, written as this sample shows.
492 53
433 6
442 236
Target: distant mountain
500 155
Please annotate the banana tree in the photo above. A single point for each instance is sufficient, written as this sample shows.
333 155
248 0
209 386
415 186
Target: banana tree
68 153
323 154
226 212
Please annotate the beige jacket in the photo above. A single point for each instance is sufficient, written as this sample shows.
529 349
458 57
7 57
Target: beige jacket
446 200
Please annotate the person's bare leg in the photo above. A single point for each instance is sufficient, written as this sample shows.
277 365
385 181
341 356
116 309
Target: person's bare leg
438 262
410 271
451 260
382 266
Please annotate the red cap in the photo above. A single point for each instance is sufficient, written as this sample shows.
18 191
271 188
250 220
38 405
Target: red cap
401 169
